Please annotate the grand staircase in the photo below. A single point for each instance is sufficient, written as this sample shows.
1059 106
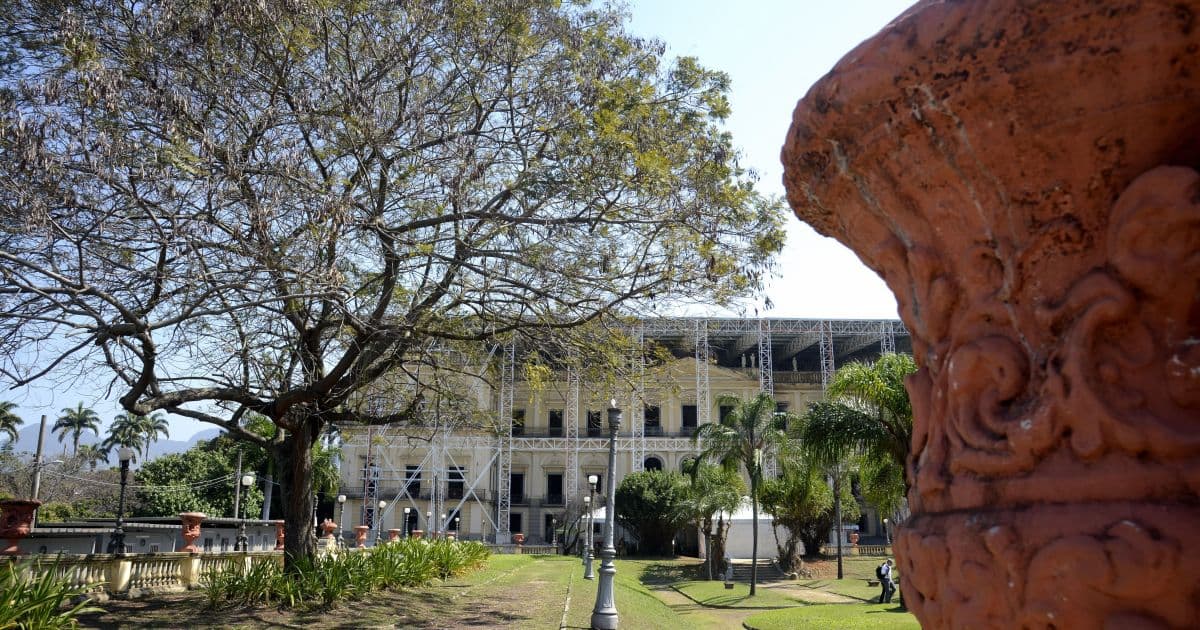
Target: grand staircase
767 571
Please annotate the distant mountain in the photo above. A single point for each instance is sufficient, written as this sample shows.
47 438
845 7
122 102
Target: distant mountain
51 448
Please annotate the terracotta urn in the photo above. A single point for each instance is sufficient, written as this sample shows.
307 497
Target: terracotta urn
519 539
191 529
854 538
16 521
360 535
393 534
417 533
327 528
280 533
1022 176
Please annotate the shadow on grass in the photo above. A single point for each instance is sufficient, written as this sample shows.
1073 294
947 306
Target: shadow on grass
421 608
668 571
897 609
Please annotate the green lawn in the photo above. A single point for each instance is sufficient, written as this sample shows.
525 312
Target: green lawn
856 571
714 594
519 591
835 617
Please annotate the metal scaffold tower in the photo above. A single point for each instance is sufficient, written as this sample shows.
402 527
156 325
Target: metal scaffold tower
571 430
508 362
766 366
703 393
637 404
887 342
825 346
370 479
766 383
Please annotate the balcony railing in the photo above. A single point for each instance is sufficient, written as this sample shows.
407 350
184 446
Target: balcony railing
553 499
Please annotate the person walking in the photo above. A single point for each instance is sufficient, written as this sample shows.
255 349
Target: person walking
885 581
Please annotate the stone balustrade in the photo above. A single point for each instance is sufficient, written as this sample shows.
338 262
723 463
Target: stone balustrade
135 575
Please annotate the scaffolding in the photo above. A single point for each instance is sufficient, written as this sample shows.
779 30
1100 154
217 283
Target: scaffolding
801 351
508 366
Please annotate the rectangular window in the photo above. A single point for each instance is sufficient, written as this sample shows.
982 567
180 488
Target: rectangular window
452 521
555 422
514 523
725 411
689 417
593 424
653 420
554 489
517 487
412 477
458 476
518 422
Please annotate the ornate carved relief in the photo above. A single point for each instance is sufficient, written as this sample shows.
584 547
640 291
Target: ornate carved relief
1022 175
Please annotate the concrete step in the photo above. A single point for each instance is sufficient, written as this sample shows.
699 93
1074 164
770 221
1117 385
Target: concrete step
767 571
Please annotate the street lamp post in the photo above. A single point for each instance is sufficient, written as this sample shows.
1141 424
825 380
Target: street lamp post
589 554
887 536
341 499
554 533
429 524
604 614
116 543
242 543
457 531
442 526
407 510
379 519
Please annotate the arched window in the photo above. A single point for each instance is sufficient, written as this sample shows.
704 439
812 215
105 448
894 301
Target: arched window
652 463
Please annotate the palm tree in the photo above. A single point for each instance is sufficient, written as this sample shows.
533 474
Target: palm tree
153 426
74 422
136 432
92 454
712 491
750 430
868 415
9 421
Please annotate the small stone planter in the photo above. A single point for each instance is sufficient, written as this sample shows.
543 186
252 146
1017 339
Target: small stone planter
191 529
16 521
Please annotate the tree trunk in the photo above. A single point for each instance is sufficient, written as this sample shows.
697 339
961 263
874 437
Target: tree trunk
706 535
718 546
294 464
754 534
268 488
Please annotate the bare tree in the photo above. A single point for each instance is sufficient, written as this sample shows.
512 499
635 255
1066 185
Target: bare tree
270 206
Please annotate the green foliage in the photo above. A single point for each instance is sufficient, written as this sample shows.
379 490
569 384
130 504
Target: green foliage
74 422
869 419
9 421
197 480
750 431
482 170
136 432
711 490
802 502
36 594
649 506
329 579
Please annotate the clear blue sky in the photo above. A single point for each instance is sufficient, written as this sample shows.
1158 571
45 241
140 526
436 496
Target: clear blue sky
773 50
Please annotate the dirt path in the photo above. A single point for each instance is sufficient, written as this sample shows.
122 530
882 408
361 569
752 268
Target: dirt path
727 617
811 595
